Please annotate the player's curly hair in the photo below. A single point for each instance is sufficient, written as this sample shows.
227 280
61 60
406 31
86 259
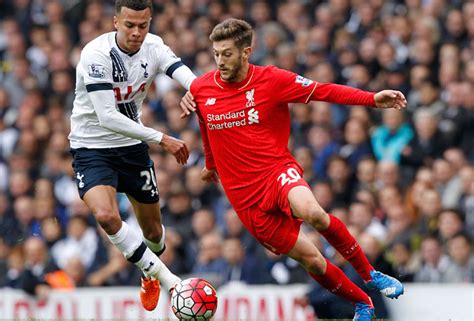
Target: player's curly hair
238 30
137 5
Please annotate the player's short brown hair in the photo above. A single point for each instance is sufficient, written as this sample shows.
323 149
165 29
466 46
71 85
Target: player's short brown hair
137 5
238 30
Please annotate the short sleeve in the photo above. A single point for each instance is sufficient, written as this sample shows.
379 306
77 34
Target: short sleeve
290 87
96 67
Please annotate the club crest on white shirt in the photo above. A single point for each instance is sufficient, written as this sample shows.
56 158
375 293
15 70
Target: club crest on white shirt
144 65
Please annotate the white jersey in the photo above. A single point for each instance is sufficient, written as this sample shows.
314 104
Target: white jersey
103 66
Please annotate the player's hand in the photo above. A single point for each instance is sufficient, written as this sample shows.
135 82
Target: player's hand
390 99
176 147
209 175
187 104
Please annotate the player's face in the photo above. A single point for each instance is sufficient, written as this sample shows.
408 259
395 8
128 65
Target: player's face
132 27
231 61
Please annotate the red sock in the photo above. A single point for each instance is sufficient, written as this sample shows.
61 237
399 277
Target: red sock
335 281
339 237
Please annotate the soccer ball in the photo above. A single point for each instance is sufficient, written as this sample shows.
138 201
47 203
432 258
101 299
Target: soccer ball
194 299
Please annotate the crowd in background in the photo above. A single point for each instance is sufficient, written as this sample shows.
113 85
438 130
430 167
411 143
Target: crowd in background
402 181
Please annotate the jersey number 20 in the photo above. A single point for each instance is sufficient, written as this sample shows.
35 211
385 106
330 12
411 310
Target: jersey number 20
291 176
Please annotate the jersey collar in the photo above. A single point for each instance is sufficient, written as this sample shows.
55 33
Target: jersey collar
236 85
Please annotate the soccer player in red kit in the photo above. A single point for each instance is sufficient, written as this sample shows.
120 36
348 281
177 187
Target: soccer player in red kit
245 126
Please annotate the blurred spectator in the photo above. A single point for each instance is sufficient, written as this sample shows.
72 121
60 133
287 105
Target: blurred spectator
324 194
210 261
202 223
450 223
467 197
373 249
202 193
365 174
234 229
38 266
240 266
462 258
362 220
389 139
323 147
400 227
357 145
447 183
15 263
304 157
279 269
387 175
434 262
81 242
117 271
177 212
340 179
405 262
430 206
426 145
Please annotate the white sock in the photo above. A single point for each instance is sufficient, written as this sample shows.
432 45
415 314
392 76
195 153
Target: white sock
128 243
125 240
158 270
156 247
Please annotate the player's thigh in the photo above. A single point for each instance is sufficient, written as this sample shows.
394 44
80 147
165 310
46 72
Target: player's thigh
305 206
149 218
102 201
137 176
276 230
307 254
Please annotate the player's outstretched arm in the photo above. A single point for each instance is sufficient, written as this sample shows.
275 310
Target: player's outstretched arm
187 104
390 99
176 147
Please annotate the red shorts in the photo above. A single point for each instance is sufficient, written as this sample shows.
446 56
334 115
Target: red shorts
271 221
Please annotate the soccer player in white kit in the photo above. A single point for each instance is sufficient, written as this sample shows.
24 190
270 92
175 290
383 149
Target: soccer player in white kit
108 140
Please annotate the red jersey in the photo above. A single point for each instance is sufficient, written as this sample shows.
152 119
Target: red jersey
245 126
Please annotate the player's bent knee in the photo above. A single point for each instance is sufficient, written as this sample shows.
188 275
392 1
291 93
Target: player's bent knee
315 264
315 217
153 233
109 220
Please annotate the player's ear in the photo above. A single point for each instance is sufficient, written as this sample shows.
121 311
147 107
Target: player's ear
247 52
115 22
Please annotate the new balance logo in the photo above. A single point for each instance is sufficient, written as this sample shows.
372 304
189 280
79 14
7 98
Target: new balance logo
253 116
147 269
210 101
